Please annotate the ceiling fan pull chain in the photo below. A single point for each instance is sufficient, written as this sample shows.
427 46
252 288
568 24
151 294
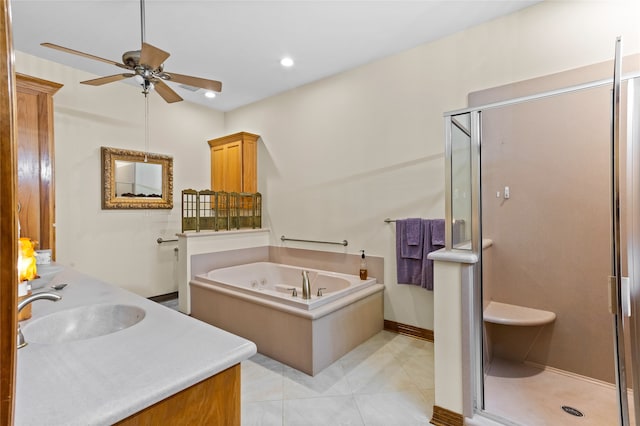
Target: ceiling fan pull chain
146 126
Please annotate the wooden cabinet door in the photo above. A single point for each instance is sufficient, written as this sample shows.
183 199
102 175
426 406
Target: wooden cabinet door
234 163
29 167
233 166
226 167
35 159
218 161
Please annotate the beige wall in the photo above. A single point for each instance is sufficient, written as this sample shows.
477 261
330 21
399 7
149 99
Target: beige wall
119 246
337 156
341 154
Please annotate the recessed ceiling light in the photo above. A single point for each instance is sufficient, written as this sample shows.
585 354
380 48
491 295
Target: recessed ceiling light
209 94
286 62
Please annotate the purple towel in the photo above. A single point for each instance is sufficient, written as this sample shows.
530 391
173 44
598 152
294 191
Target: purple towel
437 232
419 271
413 231
410 232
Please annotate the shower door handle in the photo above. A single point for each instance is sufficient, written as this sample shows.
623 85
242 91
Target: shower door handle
625 295
613 306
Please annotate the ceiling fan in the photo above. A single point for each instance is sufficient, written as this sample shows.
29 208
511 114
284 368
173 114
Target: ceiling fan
147 65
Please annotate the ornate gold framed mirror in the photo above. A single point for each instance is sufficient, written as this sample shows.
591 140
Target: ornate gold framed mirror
136 180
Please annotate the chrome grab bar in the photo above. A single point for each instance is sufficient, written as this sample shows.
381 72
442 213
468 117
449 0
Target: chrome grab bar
342 243
161 240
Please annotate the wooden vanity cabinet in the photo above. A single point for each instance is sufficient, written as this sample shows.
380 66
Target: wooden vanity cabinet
213 401
234 163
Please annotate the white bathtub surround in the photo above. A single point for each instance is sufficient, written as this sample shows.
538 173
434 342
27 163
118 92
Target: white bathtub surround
201 252
105 379
328 261
308 337
387 380
195 243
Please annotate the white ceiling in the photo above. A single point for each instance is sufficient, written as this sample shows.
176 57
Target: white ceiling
241 42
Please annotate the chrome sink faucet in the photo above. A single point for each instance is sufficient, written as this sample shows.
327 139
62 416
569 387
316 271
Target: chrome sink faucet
38 296
306 287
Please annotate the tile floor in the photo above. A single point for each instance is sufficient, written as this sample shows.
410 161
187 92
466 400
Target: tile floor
171 303
386 381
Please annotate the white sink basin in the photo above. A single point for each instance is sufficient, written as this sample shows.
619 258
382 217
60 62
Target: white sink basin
84 322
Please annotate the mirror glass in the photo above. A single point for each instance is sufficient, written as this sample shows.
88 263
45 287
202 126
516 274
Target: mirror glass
136 180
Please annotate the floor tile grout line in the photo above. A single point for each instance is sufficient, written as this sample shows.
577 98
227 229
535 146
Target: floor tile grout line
355 401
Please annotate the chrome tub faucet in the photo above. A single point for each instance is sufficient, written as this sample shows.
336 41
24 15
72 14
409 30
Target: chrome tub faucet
306 287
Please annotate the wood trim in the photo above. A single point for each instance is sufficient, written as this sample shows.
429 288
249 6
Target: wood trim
8 220
232 138
164 297
409 330
443 417
213 401
36 86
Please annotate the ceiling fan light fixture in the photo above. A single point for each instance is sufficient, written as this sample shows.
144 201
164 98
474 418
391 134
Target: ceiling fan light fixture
210 94
147 66
286 62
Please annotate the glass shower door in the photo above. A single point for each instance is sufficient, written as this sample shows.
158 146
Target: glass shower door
631 299
560 176
617 292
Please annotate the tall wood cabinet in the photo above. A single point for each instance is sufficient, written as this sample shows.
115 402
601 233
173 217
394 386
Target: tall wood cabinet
234 163
36 193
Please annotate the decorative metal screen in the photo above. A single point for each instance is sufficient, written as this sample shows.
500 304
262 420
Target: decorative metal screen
206 210
219 210
249 208
189 210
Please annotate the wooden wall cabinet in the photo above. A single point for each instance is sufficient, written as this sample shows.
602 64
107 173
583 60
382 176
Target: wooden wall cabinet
36 193
234 163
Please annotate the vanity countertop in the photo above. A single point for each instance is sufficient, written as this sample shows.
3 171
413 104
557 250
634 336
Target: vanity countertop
105 379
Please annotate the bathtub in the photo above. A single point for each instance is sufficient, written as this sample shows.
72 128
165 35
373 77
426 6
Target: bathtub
275 282
255 301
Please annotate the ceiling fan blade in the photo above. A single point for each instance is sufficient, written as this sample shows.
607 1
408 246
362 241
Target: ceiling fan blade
214 85
166 92
152 56
86 55
109 79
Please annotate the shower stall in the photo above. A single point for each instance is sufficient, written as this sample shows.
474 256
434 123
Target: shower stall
547 179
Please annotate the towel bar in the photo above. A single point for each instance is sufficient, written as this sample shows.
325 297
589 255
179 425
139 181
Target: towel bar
341 243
